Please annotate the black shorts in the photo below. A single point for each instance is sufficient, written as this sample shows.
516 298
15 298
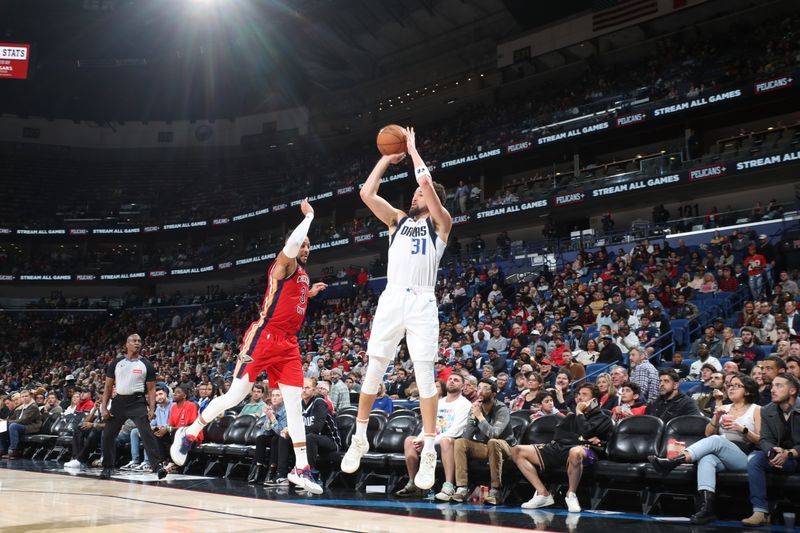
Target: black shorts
552 455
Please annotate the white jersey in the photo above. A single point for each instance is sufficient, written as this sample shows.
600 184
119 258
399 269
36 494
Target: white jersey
414 254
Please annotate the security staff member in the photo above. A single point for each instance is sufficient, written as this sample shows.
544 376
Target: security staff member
130 374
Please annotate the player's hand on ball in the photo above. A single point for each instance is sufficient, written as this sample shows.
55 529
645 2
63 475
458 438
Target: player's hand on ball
395 158
305 207
317 288
411 140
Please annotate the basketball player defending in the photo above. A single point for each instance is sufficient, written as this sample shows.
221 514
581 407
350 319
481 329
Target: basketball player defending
408 305
270 344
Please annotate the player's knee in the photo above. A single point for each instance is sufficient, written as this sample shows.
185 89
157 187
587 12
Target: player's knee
425 379
374 376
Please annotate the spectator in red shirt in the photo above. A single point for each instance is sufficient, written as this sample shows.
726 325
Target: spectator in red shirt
608 273
630 404
362 278
442 370
341 362
557 354
183 412
85 404
728 283
755 264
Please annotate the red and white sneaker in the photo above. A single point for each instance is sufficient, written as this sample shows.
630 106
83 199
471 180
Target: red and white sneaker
181 445
305 478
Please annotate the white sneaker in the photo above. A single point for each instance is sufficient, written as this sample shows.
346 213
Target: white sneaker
181 445
446 493
539 501
143 467
573 506
74 464
304 478
352 459
461 494
426 476
130 466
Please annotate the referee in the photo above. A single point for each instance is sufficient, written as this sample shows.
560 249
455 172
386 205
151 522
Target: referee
132 374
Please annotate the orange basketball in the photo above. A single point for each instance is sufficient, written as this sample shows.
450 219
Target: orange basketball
391 140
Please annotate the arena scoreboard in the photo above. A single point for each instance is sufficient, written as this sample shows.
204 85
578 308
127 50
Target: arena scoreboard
14 60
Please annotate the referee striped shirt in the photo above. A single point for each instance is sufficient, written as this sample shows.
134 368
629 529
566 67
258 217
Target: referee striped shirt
130 375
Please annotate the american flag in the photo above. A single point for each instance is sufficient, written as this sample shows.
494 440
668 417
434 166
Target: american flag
610 13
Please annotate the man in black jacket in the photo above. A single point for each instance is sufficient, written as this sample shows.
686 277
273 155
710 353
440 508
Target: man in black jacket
671 402
779 448
322 434
578 439
610 352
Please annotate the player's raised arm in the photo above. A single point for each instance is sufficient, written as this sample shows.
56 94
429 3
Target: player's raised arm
286 262
369 192
441 217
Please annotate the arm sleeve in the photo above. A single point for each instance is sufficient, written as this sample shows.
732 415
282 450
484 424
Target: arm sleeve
768 440
151 370
469 428
111 370
690 407
295 240
496 428
28 415
280 420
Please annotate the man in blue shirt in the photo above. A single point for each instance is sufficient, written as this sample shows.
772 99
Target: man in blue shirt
159 424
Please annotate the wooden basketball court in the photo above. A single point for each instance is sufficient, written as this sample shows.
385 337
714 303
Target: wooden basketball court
33 501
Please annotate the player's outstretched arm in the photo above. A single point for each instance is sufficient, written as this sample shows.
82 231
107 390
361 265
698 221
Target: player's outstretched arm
441 217
369 192
286 262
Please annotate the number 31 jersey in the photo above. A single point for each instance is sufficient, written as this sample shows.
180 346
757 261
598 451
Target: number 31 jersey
414 253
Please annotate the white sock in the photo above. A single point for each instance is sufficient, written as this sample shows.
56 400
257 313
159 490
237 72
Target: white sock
428 446
361 428
301 459
195 428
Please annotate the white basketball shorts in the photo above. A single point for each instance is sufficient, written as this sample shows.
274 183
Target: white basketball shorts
405 311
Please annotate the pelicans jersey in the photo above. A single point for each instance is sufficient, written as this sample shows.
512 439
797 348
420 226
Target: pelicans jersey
272 339
407 307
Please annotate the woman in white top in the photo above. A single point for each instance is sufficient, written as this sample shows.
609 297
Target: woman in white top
589 355
730 435
75 400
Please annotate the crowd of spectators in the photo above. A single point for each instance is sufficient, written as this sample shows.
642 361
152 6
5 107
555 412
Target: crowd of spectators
515 347
589 341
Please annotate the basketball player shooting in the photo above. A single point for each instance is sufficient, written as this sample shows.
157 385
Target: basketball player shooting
270 344
408 305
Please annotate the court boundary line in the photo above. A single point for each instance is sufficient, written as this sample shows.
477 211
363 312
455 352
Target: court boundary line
186 507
